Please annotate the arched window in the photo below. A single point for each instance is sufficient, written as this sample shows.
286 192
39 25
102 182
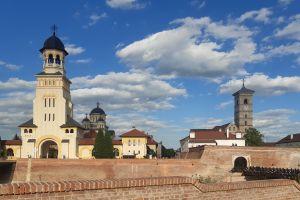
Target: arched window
57 60
129 142
245 123
72 131
30 130
25 130
50 58
133 142
245 101
246 116
10 152
67 131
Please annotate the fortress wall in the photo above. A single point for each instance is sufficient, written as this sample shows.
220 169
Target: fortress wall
152 188
215 162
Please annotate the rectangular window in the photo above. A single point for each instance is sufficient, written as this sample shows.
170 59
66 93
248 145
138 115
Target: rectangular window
53 101
49 117
53 117
45 118
49 102
45 102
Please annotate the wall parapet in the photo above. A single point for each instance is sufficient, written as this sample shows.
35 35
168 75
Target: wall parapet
67 186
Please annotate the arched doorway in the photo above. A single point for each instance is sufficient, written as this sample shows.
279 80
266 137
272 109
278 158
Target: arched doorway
117 153
49 149
10 152
240 163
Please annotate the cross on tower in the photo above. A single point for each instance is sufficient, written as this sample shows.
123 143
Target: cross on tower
243 82
98 104
54 28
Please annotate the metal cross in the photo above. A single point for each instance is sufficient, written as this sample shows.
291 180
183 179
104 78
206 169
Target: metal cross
54 28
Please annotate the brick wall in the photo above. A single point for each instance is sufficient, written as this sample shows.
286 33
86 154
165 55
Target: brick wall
151 188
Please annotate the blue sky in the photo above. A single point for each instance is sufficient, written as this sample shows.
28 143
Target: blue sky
162 66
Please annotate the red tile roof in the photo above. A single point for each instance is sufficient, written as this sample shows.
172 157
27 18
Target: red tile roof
134 133
91 141
11 142
151 141
287 139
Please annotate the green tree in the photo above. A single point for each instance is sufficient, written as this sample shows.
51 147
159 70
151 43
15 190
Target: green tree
103 147
253 137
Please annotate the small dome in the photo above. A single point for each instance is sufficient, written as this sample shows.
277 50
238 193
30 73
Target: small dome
54 42
97 111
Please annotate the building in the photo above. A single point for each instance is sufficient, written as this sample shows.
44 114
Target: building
243 109
96 119
292 140
200 137
230 134
132 144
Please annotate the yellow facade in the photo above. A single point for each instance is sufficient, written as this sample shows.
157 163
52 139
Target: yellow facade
15 150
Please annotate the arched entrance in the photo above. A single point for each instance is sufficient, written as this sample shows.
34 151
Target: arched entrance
240 163
10 152
49 149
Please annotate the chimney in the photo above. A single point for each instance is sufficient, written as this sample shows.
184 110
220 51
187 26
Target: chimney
227 133
292 136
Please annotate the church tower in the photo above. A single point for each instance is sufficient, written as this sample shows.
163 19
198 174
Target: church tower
243 108
52 132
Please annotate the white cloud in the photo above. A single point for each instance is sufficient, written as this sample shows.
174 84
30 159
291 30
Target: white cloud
224 105
194 48
94 19
9 66
287 49
262 15
264 85
72 49
285 2
276 123
198 3
16 83
200 123
125 4
292 30
83 61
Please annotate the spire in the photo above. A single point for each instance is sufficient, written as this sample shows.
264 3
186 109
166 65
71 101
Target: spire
243 82
86 115
98 104
54 29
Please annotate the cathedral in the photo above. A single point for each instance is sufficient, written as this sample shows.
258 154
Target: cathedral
52 132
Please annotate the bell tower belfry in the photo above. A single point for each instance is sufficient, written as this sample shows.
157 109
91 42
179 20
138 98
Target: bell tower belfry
243 108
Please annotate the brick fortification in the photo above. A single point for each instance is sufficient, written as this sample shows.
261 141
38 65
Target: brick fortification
151 188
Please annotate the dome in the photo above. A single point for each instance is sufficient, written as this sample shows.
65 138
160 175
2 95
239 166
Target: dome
54 42
86 119
97 111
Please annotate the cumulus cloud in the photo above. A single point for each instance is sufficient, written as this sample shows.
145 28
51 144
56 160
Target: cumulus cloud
72 49
201 122
262 15
285 2
9 66
194 48
125 4
122 93
276 123
224 105
264 85
292 30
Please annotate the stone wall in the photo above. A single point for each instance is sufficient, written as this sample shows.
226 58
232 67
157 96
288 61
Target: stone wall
151 188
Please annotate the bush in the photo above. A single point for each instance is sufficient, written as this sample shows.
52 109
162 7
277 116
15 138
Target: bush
103 147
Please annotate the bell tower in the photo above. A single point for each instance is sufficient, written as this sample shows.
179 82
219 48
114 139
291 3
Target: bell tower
243 108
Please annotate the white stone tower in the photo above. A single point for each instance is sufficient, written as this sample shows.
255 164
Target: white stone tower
52 132
243 108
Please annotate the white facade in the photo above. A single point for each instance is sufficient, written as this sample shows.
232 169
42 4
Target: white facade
52 132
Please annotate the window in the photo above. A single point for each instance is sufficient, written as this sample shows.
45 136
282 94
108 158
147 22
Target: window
30 130
133 142
72 131
139 142
245 123
50 58
57 60
245 101
129 143
45 118
25 131
246 116
53 117
53 101
67 131
139 152
45 102
49 117
49 102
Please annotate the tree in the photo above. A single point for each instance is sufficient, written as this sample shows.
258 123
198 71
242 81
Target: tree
103 147
253 137
168 153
